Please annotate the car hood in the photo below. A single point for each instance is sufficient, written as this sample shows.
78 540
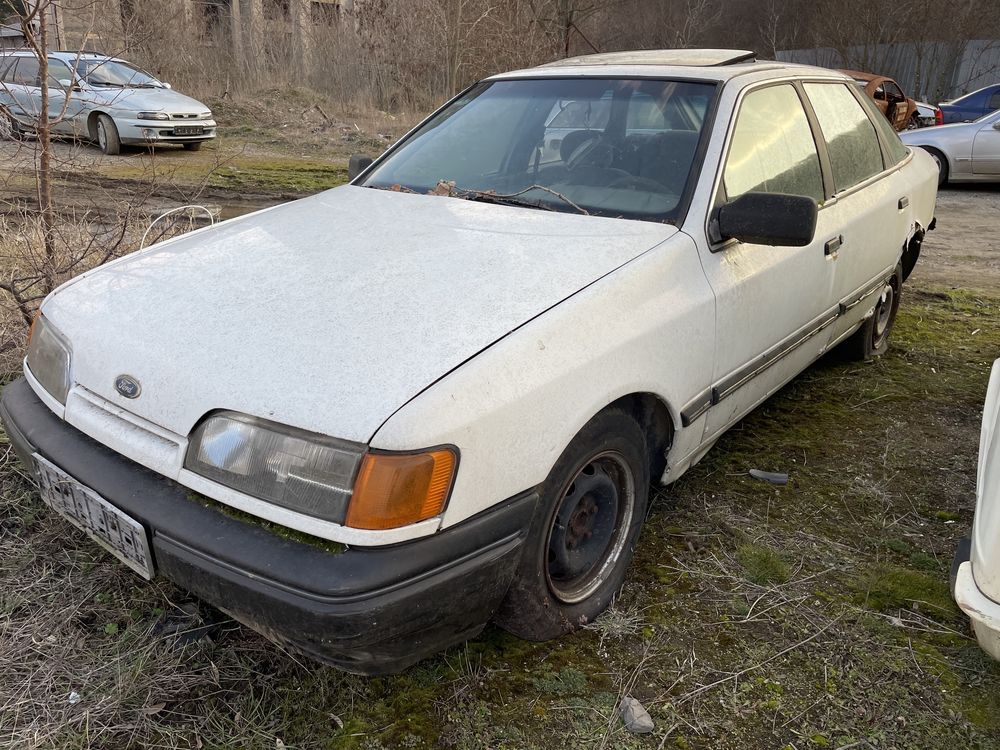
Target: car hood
147 100
331 312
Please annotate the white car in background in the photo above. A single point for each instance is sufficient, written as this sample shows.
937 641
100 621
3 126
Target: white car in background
976 570
101 99
469 364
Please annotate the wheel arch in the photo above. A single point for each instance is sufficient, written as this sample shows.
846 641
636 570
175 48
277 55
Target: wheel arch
657 422
92 122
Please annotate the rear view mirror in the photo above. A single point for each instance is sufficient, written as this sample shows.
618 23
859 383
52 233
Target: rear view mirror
66 83
769 219
358 164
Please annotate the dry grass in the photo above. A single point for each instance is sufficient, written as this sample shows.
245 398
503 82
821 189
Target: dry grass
810 615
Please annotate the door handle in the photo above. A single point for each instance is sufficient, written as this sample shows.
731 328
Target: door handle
832 246
903 202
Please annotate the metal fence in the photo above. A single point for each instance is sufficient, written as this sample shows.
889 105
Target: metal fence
930 71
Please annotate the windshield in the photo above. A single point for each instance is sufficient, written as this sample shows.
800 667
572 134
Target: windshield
114 74
608 147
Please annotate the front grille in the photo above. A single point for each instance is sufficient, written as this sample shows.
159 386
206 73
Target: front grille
184 117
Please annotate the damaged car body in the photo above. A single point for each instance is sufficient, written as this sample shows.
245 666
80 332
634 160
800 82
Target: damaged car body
452 381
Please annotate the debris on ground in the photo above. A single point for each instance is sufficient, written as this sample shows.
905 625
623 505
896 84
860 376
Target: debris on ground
636 718
774 477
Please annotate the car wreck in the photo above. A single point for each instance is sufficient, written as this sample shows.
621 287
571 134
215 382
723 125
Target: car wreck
452 381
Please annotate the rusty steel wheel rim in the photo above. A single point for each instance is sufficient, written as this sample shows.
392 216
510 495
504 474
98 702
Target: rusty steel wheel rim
588 531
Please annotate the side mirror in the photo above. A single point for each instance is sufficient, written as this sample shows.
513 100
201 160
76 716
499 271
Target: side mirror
996 125
167 86
358 164
769 219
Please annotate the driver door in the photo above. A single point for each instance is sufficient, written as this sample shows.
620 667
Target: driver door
774 305
898 110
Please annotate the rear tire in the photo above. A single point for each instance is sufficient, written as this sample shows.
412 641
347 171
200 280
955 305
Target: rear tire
107 136
872 339
584 531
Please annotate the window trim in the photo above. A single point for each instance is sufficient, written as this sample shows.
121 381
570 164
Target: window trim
717 190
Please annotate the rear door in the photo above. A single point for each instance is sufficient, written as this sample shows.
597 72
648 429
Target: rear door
986 147
773 304
870 206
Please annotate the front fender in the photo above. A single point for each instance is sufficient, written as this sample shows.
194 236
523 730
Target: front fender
511 410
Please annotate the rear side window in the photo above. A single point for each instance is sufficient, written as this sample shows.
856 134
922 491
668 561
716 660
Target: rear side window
26 72
894 149
5 67
994 101
855 154
772 149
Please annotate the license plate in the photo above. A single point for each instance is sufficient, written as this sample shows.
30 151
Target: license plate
188 130
122 536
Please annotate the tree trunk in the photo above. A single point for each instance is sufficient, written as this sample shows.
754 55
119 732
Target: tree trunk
43 130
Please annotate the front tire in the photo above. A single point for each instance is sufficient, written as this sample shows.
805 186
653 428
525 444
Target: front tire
872 339
192 146
107 136
942 165
584 532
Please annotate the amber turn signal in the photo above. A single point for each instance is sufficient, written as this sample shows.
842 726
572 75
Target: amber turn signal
394 490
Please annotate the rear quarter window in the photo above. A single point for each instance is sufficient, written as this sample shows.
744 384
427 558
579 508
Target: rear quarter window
851 140
894 150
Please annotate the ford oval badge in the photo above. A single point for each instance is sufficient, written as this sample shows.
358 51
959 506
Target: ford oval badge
128 386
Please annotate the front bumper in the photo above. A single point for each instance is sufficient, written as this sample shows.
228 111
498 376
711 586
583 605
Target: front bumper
982 611
366 610
138 132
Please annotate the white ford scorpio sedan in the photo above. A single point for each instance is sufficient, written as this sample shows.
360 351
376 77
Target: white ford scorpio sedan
368 422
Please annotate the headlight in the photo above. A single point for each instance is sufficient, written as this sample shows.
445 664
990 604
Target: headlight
153 116
334 480
48 358
294 469
205 116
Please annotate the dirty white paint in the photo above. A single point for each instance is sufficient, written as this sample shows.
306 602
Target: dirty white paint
978 588
408 321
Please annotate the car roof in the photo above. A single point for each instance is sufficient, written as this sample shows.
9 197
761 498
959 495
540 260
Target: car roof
58 55
859 75
700 64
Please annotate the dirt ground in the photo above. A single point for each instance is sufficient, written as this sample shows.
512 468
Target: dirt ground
964 251
814 615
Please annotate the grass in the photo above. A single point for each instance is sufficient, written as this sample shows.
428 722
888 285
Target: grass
810 615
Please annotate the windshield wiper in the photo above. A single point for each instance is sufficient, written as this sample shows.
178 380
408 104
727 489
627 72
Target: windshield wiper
108 83
507 199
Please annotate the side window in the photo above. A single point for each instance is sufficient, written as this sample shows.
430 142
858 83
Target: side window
772 149
855 154
644 115
26 72
58 71
895 150
994 102
5 68
582 115
893 91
